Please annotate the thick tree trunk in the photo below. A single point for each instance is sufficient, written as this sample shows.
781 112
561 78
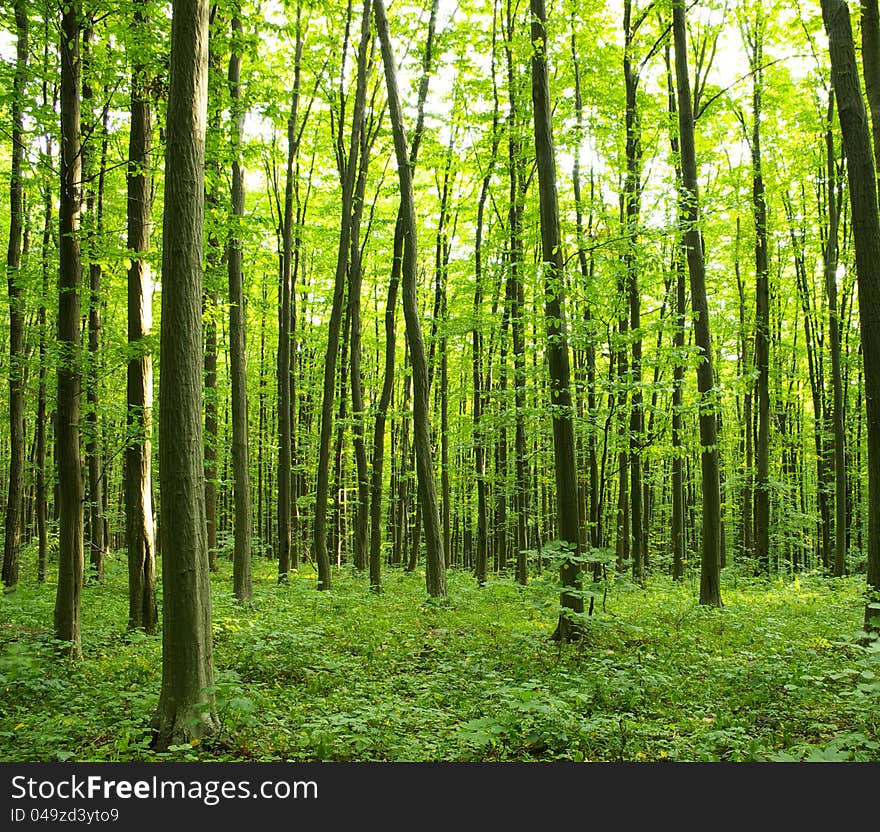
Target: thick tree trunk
866 235
710 564
12 539
568 520
435 571
142 609
67 453
186 708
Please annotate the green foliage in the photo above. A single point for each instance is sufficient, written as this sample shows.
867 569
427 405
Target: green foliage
780 673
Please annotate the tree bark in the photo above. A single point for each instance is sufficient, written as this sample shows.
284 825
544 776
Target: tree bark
12 539
286 493
67 453
142 609
242 583
710 562
866 237
435 571
186 708
348 174
568 520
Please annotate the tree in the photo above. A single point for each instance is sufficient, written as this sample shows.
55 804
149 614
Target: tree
241 562
186 708
710 562
348 166
15 493
435 572
553 265
142 609
67 440
866 238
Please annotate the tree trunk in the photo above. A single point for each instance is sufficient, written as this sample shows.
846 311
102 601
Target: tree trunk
866 236
710 564
830 260
242 585
435 571
67 453
186 708
632 210
94 212
348 173
12 539
286 495
142 609
568 521
762 318
355 279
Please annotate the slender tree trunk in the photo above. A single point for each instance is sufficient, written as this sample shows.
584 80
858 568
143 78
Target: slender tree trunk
242 584
632 210
12 539
94 212
677 538
435 571
67 453
286 495
830 259
587 266
481 557
186 708
710 564
568 521
348 172
142 609
762 317
355 280
42 507
866 236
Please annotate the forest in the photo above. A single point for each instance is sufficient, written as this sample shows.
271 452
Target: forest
440 380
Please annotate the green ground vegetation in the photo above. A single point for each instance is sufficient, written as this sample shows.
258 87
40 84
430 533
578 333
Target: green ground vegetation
782 672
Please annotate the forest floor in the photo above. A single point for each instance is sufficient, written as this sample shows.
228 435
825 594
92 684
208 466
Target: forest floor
778 674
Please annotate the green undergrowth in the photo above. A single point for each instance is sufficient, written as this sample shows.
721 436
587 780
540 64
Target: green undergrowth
780 673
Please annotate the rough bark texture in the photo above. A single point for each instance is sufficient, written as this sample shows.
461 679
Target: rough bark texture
435 566
12 539
142 609
186 707
866 236
870 28
568 521
710 563
67 450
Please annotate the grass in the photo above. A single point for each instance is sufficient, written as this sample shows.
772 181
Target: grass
778 674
